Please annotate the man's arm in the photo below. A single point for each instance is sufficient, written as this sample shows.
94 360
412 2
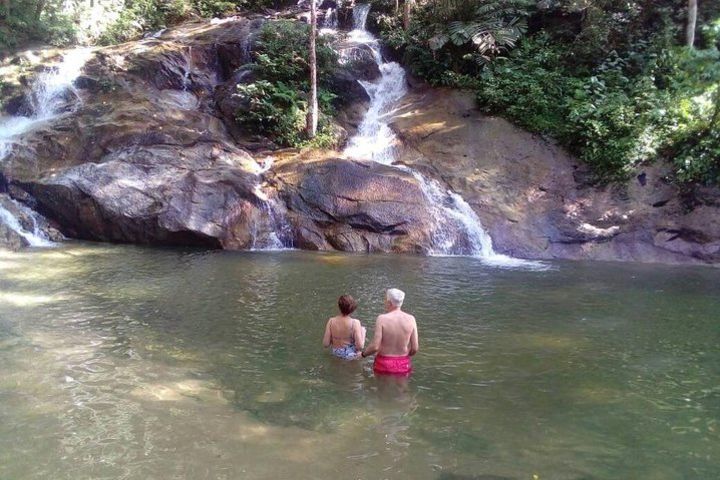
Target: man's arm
327 338
374 346
414 342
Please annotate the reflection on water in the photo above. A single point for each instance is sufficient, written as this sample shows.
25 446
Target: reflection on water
124 362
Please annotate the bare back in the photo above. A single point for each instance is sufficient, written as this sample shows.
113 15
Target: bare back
397 332
342 331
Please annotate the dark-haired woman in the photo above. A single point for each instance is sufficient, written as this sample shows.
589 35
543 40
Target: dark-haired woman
344 334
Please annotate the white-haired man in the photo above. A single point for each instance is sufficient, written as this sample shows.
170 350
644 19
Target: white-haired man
395 339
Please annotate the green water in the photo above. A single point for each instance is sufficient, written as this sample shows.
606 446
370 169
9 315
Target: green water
122 362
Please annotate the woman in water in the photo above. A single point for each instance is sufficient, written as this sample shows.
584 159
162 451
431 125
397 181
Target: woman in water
344 334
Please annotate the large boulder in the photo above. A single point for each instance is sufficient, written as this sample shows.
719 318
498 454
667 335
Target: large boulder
353 206
531 197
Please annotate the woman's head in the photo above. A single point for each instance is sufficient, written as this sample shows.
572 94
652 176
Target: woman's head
347 304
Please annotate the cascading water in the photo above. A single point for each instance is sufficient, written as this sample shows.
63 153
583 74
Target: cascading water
48 99
273 232
374 139
34 238
331 19
52 95
457 228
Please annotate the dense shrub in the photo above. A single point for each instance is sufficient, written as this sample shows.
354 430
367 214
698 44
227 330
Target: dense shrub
140 16
276 103
23 21
616 115
608 79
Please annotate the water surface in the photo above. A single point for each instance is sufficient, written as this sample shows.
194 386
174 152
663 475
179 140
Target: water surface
126 362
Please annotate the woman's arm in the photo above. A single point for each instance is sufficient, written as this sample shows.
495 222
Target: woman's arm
327 338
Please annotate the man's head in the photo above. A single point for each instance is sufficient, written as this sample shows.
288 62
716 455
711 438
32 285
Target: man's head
347 304
394 298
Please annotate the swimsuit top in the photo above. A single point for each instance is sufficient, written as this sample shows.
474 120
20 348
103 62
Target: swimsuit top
351 343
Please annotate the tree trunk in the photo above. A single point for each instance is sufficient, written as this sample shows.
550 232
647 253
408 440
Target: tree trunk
397 6
312 115
406 13
691 21
39 9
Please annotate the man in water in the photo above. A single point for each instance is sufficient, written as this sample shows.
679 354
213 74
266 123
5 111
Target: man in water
395 339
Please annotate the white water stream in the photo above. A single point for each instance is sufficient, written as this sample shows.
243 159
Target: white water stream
48 99
36 237
457 228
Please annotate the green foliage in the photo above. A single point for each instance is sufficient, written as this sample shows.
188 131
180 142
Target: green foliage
276 104
614 116
23 21
526 86
140 16
606 78
493 27
214 8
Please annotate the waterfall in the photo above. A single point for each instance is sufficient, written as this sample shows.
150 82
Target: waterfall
457 230
36 237
187 82
52 94
360 14
48 98
331 19
273 232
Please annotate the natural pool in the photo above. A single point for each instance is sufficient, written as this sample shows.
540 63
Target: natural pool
126 362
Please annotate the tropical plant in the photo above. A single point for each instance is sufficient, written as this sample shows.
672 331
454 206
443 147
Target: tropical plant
495 26
276 105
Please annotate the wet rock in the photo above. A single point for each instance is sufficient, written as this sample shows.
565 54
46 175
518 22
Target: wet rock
16 218
10 239
359 60
535 199
144 196
353 206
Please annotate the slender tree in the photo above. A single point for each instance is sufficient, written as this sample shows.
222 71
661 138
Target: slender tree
312 115
691 22
407 10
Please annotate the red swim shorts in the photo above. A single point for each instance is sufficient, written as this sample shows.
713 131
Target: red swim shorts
392 365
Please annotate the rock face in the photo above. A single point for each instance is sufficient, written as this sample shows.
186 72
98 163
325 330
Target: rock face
144 158
353 206
151 154
530 196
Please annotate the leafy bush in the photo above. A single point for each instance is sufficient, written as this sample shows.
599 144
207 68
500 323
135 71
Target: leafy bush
140 16
276 104
23 21
526 86
617 115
